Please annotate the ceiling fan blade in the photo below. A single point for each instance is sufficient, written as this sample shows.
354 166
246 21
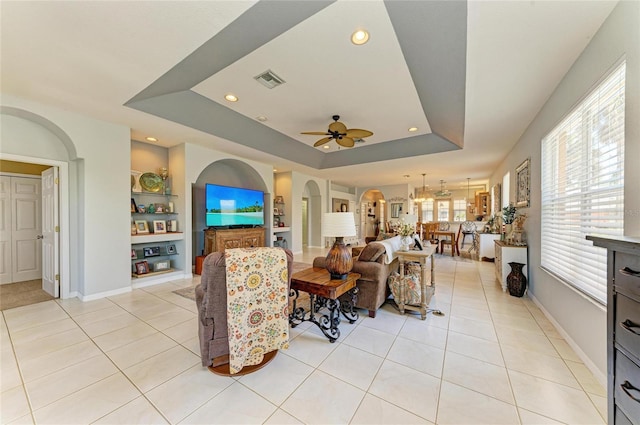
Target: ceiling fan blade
322 141
337 126
357 133
317 133
347 142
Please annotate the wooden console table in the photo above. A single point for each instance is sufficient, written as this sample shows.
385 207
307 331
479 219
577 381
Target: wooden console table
217 240
426 290
323 292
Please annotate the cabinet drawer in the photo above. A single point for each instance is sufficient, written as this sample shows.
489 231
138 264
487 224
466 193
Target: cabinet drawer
627 387
627 326
627 274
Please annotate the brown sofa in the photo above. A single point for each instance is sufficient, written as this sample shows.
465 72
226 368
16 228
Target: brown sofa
372 285
211 299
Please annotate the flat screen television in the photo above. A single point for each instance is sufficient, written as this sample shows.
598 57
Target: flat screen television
233 206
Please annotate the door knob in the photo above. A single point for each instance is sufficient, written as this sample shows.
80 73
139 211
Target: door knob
40 237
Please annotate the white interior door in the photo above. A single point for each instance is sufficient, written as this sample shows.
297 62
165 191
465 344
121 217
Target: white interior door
26 255
50 232
5 230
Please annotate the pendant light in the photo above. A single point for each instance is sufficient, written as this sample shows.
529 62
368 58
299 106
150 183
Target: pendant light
422 194
468 199
443 192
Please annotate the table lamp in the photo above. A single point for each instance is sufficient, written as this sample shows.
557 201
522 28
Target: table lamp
338 262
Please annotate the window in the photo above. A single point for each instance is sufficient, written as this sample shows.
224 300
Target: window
583 187
459 209
427 211
443 210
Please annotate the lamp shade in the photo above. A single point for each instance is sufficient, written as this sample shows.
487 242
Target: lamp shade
338 224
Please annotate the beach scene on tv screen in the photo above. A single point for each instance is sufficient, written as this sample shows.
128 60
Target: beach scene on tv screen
227 206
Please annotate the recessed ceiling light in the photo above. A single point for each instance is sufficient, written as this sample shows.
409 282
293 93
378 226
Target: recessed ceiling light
261 118
151 139
326 146
412 129
275 170
360 37
231 98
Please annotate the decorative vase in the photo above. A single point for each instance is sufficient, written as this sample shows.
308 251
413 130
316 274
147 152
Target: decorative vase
405 241
516 280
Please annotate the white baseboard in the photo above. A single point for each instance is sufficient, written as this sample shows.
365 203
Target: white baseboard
601 377
104 294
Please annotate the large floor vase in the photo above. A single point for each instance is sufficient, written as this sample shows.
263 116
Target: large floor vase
516 280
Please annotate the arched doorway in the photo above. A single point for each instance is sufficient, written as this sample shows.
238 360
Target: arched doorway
373 213
311 210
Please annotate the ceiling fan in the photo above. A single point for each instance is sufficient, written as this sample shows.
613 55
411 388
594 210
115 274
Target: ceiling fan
343 136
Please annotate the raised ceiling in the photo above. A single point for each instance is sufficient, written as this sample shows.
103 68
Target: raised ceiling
470 75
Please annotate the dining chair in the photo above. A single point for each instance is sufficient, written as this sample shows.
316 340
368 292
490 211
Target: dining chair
451 241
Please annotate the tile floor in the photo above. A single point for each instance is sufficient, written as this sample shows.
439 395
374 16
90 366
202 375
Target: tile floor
133 358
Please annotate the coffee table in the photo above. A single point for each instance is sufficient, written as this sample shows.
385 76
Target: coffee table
323 292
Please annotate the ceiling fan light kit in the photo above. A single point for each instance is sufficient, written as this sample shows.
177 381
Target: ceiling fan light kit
345 137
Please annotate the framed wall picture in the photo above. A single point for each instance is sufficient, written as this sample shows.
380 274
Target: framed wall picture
142 267
496 199
396 210
171 249
141 226
159 226
523 184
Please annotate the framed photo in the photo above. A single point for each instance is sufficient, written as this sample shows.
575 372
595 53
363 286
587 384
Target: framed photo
134 207
151 251
276 211
142 267
141 226
523 184
134 254
171 249
159 266
159 226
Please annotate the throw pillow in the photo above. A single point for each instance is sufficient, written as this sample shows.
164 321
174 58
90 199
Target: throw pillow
412 288
371 252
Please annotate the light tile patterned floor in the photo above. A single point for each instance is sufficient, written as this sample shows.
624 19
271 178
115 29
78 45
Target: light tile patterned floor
133 358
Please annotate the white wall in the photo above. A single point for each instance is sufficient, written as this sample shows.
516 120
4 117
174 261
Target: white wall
583 321
99 188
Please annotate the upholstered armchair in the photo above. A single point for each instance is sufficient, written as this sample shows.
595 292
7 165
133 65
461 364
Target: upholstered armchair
211 299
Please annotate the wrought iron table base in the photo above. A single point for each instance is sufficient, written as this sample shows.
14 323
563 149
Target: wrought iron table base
327 323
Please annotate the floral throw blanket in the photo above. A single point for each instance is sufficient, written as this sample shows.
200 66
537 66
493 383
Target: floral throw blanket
257 304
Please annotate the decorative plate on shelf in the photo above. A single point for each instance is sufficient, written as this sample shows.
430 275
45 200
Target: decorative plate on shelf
151 182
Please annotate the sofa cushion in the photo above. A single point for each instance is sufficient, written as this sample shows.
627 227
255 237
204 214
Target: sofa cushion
371 252
382 236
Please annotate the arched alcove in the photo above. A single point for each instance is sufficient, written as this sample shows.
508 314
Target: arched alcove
373 212
225 172
312 214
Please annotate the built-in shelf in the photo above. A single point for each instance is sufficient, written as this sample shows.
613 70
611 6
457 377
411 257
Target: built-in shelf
157 237
281 229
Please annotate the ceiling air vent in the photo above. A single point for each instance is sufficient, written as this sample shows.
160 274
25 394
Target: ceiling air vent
269 79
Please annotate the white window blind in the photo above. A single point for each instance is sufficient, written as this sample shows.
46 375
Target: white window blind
459 209
583 187
427 210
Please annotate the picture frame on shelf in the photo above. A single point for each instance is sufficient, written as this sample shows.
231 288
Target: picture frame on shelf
523 182
276 211
134 230
160 266
134 254
151 251
142 227
142 267
159 226
134 207
171 249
